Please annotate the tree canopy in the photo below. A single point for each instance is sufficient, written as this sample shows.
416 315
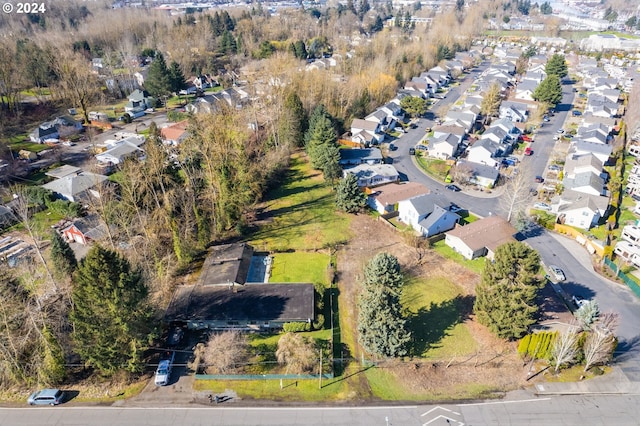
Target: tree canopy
382 328
491 100
415 106
549 91
505 297
349 196
557 65
110 316
158 81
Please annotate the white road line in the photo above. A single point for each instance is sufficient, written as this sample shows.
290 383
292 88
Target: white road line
504 402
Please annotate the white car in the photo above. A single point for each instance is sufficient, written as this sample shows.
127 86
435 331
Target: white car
556 273
542 206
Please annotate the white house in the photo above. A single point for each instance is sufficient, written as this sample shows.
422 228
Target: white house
416 211
602 152
385 198
525 90
372 130
443 146
580 210
480 238
629 252
485 152
373 174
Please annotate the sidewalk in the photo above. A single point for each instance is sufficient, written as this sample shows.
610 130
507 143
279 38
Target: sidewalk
613 383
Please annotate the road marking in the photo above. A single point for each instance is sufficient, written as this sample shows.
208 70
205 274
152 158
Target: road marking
443 417
504 402
441 408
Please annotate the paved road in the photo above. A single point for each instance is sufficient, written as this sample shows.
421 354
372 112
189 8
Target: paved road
559 410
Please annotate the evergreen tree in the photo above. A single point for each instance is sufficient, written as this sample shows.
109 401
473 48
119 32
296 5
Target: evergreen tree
377 25
110 317
557 65
505 297
317 114
293 121
158 81
382 328
349 196
549 91
64 260
176 78
323 134
415 106
546 9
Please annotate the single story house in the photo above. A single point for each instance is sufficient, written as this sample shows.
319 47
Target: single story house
480 174
480 238
385 198
84 230
353 157
76 186
417 212
373 174
175 133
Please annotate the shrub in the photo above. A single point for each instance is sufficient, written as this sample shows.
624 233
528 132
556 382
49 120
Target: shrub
537 345
296 327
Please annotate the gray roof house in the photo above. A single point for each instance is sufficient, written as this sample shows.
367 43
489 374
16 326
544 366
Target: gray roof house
515 111
601 151
416 211
482 175
480 238
579 209
372 128
443 146
352 157
373 174
76 186
587 182
485 151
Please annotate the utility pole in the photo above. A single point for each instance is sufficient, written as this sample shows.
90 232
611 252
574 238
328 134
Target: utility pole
320 375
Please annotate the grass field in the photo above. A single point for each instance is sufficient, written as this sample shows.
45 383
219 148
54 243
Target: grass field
300 267
433 167
302 213
476 265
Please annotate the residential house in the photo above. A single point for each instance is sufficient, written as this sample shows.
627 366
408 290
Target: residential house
382 118
229 295
536 76
373 174
139 101
62 171
601 151
353 157
485 151
7 217
84 230
482 175
579 209
120 150
631 234
466 117
450 129
480 238
393 111
575 164
76 186
586 182
428 214
385 198
370 131
175 133
525 90
59 127
443 146
514 111
601 106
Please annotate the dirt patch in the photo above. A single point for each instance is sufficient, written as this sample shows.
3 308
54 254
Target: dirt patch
495 366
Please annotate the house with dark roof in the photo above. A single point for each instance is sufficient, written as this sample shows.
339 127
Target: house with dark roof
587 182
84 230
514 111
353 157
224 298
428 214
385 198
601 151
485 151
480 238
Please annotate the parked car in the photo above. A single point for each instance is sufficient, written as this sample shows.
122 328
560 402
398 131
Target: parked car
556 273
412 151
555 167
46 397
454 188
539 179
528 151
561 131
542 206
163 373
576 113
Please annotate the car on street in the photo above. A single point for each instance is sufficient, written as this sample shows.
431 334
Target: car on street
561 131
556 273
454 188
528 151
46 397
542 206
412 151
555 167
539 179
576 113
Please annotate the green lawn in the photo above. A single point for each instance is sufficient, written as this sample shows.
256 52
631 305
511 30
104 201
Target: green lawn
433 167
302 213
300 267
476 265
29 146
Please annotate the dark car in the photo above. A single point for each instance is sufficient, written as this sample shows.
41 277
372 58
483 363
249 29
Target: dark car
576 113
454 188
539 179
412 151
175 336
46 397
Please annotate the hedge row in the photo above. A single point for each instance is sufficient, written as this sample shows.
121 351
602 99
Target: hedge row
537 345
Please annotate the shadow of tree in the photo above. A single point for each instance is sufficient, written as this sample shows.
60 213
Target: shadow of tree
430 325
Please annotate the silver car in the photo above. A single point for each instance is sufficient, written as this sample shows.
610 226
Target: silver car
46 397
556 273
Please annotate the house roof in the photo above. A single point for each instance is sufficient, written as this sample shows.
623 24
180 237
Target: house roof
358 123
379 114
395 192
362 154
175 131
449 139
526 85
437 214
594 147
481 170
582 179
490 232
75 184
577 200
225 264
426 203
62 171
253 302
367 171
456 130
577 160
118 152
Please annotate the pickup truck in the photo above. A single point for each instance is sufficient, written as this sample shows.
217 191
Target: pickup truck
164 369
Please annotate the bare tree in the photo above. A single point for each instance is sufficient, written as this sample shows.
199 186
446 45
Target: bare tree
516 193
601 341
461 173
298 353
565 347
225 350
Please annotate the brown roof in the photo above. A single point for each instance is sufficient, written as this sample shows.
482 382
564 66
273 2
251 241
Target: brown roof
490 232
175 131
395 192
456 130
